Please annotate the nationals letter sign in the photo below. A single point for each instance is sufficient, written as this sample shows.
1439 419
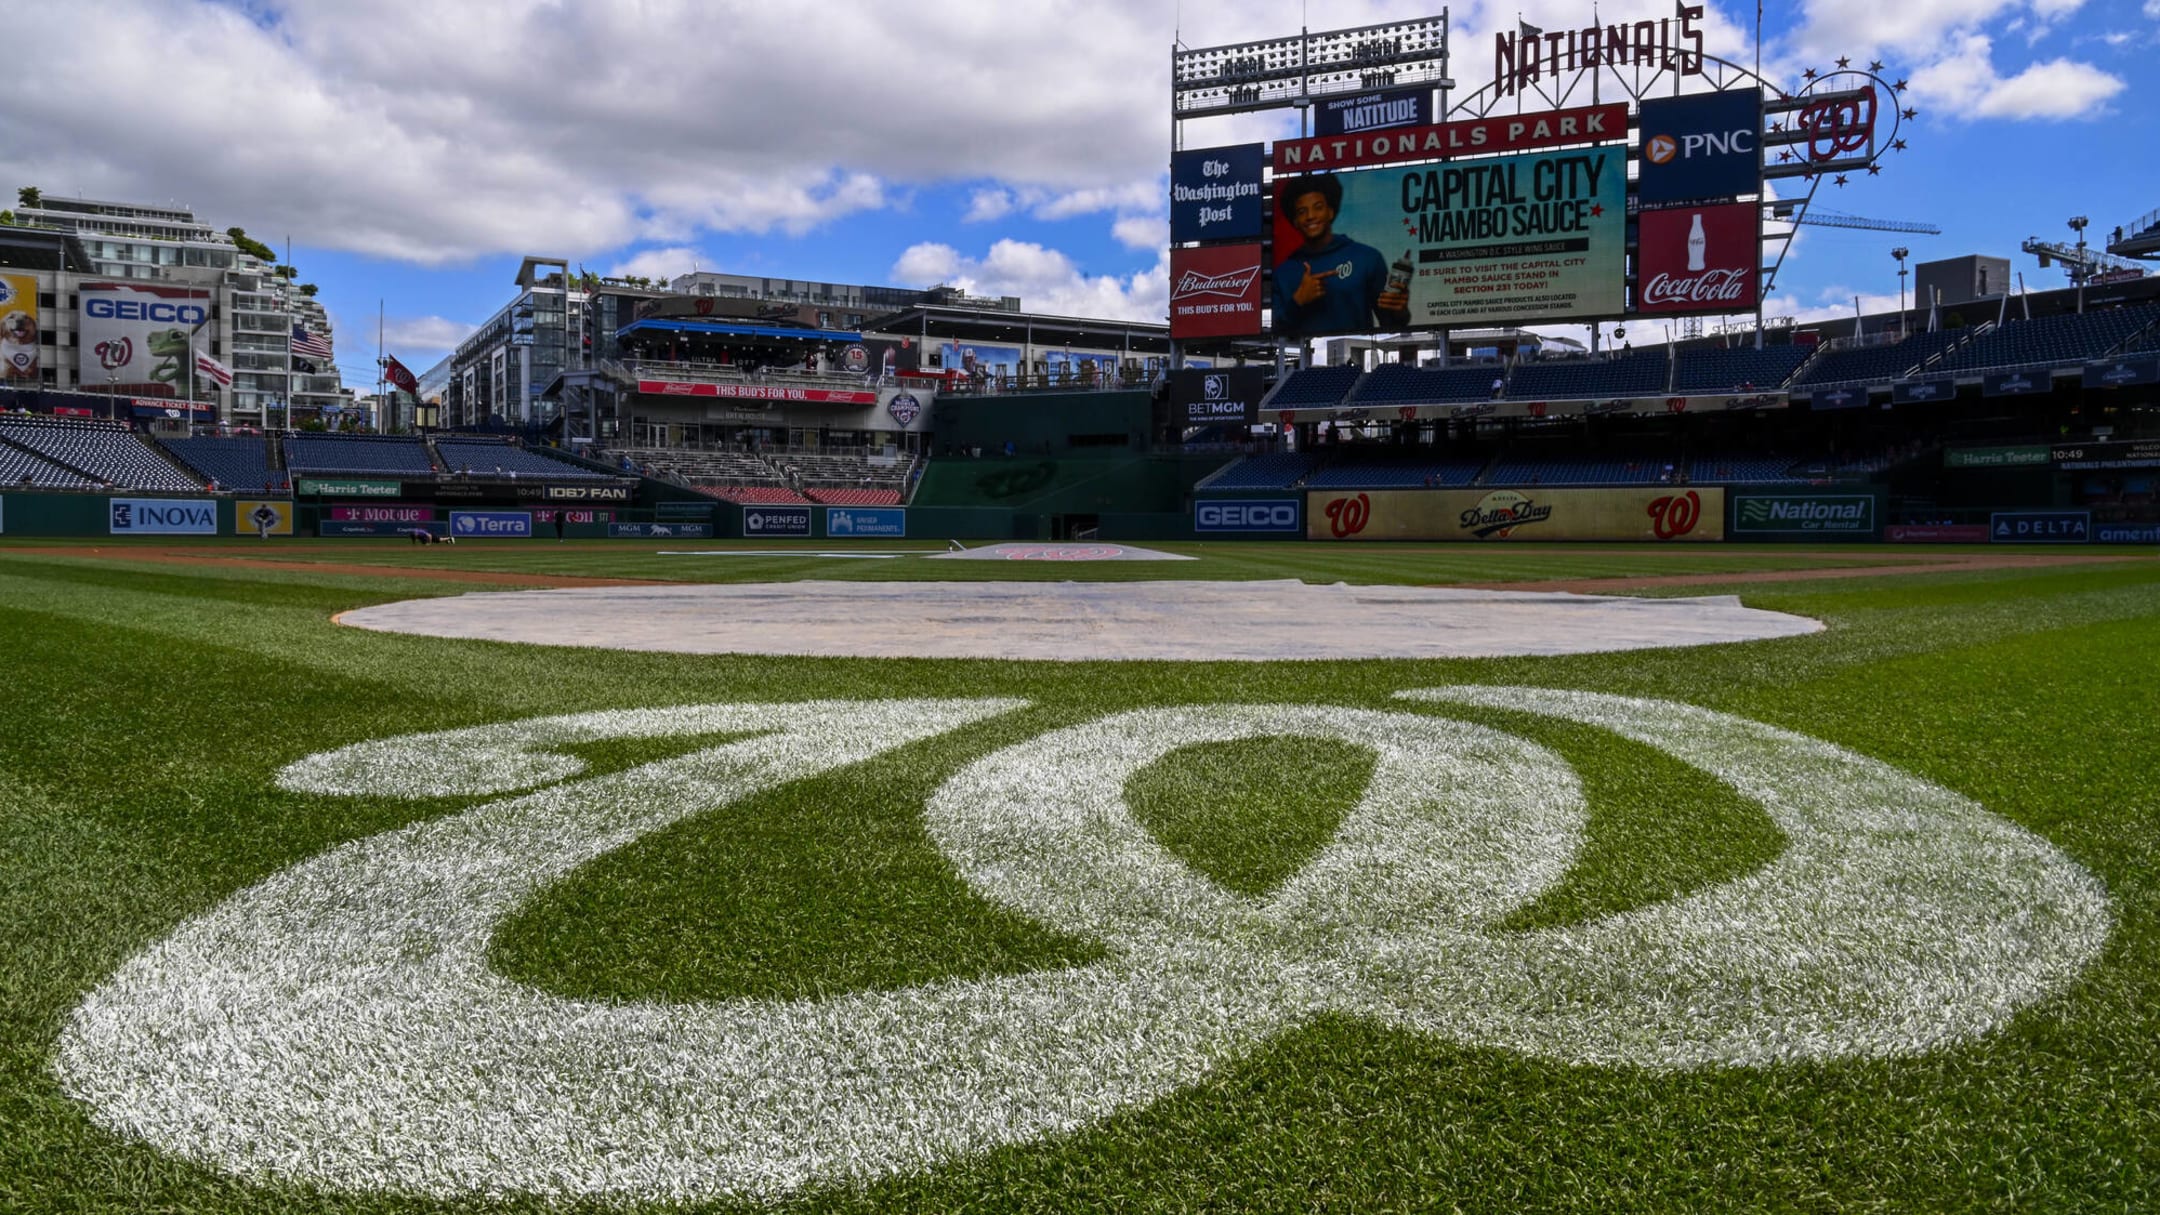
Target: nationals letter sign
1215 292
1700 259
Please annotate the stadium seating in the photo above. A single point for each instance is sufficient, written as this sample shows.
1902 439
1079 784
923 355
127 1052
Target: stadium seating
22 469
1643 374
1875 364
1520 468
1314 386
1727 370
236 464
326 453
751 493
100 451
484 456
1402 384
1353 472
1275 470
854 497
2050 341
1742 468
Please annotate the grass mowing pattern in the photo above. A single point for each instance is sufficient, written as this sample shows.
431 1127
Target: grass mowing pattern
1249 813
146 712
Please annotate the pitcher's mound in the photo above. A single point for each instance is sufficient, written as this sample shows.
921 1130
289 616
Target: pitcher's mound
1081 621
1087 551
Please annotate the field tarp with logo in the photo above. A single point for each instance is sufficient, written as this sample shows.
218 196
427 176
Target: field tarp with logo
1655 513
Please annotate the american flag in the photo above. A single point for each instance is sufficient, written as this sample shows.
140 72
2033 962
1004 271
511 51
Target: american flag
308 344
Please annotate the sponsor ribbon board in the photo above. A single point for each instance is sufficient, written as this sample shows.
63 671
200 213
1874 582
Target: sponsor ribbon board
1996 457
2129 533
321 487
1803 515
1936 533
659 531
161 517
479 524
776 521
1248 515
888 521
757 392
2040 527
1652 513
1445 140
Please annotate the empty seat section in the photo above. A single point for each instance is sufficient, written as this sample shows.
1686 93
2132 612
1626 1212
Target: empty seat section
1401 384
391 454
1525 468
1314 386
1742 468
855 497
485 456
242 464
21 469
99 450
1732 370
1275 470
1377 473
2049 341
1876 364
1634 375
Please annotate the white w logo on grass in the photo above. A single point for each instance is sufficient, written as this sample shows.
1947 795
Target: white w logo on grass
338 1024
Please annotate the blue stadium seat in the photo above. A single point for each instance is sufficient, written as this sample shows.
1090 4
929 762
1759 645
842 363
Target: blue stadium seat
240 463
1314 386
392 454
1275 470
1642 374
1727 370
486 455
1402 384
97 450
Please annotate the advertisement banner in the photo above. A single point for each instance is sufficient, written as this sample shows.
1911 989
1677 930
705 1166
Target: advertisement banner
587 493
1803 515
354 527
2122 373
200 411
2040 527
978 361
1215 193
1908 391
1700 147
776 521
2016 384
1536 237
1699 259
379 514
2106 457
574 515
659 531
162 517
136 338
1231 395
1996 457
1936 533
881 357
757 392
475 524
347 488
2129 533
1215 292
903 408
1381 111
20 334
889 521
250 514
1440 141
1838 398
1248 515
1656 513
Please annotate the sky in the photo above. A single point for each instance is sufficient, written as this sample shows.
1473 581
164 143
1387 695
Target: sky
413 151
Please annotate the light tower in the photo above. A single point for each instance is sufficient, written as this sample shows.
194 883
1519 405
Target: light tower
1901 253
2083 269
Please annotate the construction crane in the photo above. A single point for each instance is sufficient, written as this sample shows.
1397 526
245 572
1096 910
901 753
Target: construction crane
2079 260
1797 211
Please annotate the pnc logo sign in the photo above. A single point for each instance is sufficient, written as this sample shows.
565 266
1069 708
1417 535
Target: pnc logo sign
1664 149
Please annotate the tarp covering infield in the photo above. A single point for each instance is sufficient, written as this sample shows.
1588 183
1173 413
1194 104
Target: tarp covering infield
1081 621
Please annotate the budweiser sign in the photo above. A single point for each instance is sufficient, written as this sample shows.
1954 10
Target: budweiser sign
1215 291
1700 259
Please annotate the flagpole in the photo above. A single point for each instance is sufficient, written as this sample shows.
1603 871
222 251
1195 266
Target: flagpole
379 365
290 314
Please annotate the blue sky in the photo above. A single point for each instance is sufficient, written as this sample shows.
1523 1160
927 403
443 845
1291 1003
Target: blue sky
413 152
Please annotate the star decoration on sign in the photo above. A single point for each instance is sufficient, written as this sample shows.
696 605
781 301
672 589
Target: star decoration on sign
1876 66
1900 85
1841 179
1911 114
1808 74
1844 62
1777 126
1596 209
1785 155
1897 145
1874 170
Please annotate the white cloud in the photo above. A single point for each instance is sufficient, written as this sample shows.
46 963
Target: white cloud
1965 81
986 205
423 334
1142 231
2152 9
1045 279
660 264
1835 304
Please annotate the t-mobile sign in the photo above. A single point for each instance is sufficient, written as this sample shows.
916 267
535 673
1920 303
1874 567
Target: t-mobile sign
1699 259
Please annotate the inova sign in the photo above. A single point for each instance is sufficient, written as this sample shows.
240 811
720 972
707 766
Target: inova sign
162 517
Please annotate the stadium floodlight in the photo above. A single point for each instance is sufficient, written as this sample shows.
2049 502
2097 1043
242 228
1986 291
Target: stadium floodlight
2083 269
1901 253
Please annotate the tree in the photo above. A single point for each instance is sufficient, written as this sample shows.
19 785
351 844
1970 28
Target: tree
308 290
29 197
7 219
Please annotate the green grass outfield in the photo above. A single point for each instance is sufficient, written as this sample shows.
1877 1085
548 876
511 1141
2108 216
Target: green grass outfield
149 708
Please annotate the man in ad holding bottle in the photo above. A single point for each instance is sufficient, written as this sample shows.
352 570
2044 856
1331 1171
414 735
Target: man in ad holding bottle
1330 283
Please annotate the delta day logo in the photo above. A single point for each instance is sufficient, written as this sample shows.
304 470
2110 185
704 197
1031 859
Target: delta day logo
1498 514
338 1024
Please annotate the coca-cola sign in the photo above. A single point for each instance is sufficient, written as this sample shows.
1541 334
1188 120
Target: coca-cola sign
1700 259
1215 291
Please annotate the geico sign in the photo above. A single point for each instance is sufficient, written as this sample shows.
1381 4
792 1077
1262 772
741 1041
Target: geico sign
1246 516
144 310
1664 149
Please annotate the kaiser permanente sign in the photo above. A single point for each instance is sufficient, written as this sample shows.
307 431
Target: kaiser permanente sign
1476 137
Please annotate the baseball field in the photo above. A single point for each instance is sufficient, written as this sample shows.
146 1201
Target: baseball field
305 917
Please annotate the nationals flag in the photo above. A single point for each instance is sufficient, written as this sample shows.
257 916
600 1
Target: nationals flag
397 374
213 370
